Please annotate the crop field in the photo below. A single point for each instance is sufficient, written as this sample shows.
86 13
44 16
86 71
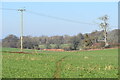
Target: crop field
53 64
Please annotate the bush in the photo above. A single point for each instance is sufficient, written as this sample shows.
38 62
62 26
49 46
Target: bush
98 45
114 44
48 46
57 46
67 48
107 46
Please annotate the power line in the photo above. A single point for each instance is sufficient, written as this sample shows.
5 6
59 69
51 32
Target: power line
54 17
8 9
59 18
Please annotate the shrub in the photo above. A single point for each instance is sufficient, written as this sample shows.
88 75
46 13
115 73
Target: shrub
98 45
67 48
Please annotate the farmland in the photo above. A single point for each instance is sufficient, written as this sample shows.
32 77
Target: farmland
53 64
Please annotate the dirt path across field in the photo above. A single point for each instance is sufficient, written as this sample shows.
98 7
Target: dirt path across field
58 68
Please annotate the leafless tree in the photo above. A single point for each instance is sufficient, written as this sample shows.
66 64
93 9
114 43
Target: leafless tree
105 26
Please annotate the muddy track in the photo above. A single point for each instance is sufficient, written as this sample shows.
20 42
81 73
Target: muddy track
16 52
58 68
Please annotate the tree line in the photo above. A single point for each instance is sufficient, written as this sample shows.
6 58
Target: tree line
66 42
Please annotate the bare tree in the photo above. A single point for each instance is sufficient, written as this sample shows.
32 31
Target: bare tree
105 26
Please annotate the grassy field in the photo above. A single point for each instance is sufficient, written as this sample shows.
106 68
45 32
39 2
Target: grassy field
50 64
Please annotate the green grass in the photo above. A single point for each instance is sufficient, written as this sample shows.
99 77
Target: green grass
45 64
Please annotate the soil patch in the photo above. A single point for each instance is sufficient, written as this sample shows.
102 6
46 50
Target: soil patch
17 52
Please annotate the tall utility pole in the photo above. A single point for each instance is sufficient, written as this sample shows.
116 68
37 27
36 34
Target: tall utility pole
21 37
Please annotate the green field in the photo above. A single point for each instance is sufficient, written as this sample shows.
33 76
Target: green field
50 64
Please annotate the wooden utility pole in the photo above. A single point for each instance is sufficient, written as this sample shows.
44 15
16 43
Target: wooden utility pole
21 37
